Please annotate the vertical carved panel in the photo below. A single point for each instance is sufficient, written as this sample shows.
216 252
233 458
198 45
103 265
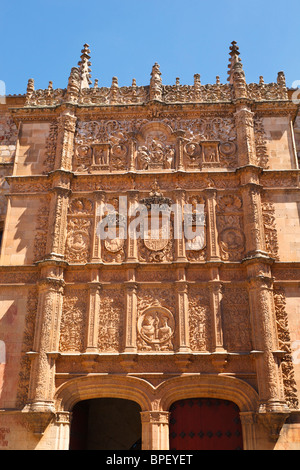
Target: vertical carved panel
73 322
236 316
200 319
289 382
111 321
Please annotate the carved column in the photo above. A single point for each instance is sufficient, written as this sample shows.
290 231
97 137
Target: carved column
213 250
131 317
42 386
248 420
57 232
65 140
245 136
93 317
155 430
183 317
265 343
63 424
253 215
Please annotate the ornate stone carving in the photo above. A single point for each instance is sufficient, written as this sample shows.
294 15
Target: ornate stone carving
79 231
199 319
156 326
27 345
51 148
236 319
230 227
271 237
111 320
73 322
290 386
40 240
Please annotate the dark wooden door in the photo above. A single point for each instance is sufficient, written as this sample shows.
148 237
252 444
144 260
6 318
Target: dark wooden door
205 424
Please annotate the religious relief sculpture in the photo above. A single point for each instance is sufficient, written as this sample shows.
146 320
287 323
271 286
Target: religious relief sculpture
156 328
156 147
155 155
230 228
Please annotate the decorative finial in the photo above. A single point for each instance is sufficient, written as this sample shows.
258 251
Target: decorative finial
30 86
236 74
74 83
281 79
156 83
261 80
84 67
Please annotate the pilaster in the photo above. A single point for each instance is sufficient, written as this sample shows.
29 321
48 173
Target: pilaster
155 430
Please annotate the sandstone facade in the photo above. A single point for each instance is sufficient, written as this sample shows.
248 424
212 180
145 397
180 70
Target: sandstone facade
77 312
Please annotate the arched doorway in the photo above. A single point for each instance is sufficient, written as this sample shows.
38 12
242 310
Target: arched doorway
106 424
205 424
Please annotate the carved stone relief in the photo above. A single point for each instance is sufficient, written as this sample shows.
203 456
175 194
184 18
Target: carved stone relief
40 241
156 327
111 320
199 319
289 382
51 143
236 319
271 237
73 322
79 230
230 227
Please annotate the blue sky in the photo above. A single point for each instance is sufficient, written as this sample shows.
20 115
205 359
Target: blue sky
43 40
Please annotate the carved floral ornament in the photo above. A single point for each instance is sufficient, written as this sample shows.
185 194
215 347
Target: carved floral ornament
154 145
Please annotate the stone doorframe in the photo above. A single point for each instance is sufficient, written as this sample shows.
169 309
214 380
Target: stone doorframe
155 402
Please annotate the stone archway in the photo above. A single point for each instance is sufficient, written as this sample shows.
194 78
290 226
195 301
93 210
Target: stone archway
155 402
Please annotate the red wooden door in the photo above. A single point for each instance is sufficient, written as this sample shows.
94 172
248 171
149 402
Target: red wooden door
205 424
